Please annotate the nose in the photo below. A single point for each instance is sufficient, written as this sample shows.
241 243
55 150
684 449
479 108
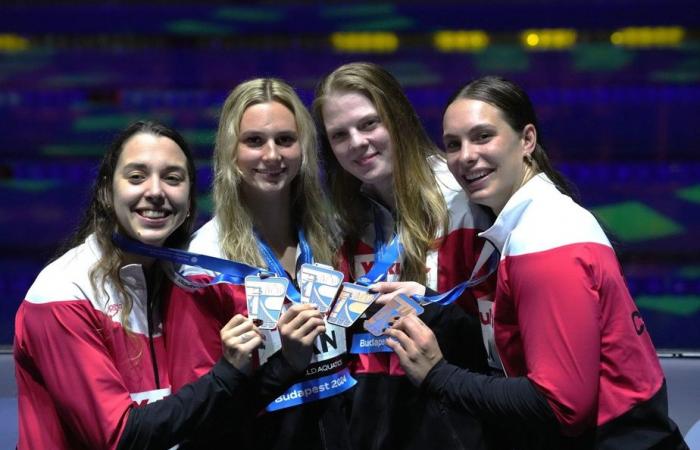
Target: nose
467 155
270 151
357 139
154 189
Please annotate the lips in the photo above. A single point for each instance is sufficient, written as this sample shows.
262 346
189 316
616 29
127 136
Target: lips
476 175
367 157
271 172
153 214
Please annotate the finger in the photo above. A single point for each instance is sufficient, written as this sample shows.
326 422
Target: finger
309 338
384 287
403 339
384 298
308 327
250 345
293 312
302 317
394 345
411 325
234 322
240 329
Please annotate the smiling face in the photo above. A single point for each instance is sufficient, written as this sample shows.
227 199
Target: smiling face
484 153
360 141
269 153
150 188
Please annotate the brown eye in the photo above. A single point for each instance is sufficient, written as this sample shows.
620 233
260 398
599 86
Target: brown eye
253 141
286 140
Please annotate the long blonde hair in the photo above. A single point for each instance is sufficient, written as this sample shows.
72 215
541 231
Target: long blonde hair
420 207
308 202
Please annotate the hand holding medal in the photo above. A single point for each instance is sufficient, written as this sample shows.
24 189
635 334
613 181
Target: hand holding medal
239 338
298 328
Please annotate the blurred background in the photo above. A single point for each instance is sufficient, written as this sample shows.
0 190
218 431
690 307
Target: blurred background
616 85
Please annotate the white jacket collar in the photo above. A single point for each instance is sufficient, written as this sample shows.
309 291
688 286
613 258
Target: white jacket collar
538 186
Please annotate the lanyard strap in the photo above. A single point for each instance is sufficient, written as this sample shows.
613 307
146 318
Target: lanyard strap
274 264
230 271
385 255
488 258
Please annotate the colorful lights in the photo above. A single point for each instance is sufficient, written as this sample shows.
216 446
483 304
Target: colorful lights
644 37
13 43
460 40
365 42
548 38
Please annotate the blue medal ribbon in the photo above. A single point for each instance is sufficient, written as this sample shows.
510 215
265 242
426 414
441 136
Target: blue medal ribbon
229 271
488 257
274 264
315 389
368 343
385 255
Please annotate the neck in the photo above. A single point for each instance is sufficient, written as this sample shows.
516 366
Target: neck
131 258
273 221
528 174
382 192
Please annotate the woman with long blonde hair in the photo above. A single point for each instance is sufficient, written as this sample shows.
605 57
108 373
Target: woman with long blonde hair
388 180
271 213
91 363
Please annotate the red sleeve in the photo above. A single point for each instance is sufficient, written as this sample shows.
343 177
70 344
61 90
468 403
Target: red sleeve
555 296
66 345
192 322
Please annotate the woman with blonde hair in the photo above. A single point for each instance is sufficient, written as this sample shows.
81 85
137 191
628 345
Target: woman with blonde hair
271 213
91 363
388 180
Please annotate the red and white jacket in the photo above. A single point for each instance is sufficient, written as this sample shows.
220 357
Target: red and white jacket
563 316
448 265
78 371
192 320
85 382
387 410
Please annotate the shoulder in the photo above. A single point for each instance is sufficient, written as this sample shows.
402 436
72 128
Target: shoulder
551 222
205 241
66 278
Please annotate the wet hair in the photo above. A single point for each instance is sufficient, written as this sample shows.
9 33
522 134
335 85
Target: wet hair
517 110
421 212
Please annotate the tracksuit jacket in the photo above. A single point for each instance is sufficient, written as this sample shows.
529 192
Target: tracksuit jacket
84 382
583 372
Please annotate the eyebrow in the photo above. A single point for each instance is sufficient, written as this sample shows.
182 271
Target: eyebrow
476 128
360 119
144 167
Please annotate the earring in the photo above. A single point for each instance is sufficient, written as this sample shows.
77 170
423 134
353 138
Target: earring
528 159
